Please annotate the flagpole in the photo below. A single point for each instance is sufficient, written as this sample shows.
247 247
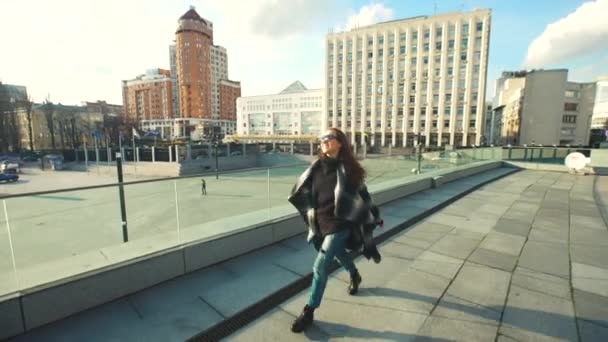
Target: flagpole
134 152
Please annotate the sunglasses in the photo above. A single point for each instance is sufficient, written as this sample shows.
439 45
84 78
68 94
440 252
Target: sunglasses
328 137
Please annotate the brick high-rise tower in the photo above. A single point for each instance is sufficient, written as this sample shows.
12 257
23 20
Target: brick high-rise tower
193 41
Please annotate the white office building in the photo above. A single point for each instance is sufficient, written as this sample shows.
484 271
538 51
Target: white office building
387 82
600 108
293 114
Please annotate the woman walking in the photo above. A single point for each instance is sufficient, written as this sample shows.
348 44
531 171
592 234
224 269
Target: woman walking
332 198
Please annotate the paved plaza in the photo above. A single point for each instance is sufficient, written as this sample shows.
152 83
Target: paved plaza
520 259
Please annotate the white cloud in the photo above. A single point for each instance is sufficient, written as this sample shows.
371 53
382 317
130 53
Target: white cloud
582 32
80 50
283 18
368 15
589 72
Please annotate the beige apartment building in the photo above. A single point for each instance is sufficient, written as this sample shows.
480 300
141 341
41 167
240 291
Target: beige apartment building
148 96
542 107
385 83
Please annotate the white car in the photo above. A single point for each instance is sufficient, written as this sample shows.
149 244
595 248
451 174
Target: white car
8 166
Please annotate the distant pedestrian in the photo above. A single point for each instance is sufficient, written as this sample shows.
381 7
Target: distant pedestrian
203 187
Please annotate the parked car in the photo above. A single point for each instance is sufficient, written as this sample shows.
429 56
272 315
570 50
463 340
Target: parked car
30 158
236 153
7 177
7 166
53 162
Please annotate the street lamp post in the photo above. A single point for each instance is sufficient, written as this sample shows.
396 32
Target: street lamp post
418 153
217 172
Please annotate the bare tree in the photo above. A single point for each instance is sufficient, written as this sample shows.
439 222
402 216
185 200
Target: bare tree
10 139
49 109
27 103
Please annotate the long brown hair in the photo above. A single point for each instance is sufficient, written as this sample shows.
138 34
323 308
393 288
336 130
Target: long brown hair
354 171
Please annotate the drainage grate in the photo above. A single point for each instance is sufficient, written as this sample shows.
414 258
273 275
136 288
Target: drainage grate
255 311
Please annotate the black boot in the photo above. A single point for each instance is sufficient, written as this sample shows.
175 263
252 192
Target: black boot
304 320
355 280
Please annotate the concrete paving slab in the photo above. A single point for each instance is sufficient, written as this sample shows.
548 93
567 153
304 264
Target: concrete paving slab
589 278
455 246
299 262
477 224
591 307
589 236
421 235
481 285
114 321
399 250
275 326
555 235
351 322
456 308
587 221
551 258
437 264
584 210
455 330
259 281
589 254
414 242
493 259
296 243
374 275
466 233
522 216
587 271
513 226
390 222
448 220
526 206
174 293
504 338
533 316
410 290
596 286
427 226
405 213
179 322
592 332
503 243
554 215
541 282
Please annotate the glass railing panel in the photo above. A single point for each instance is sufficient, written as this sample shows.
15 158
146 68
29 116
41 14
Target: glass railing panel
235 200
62 234
282 180
8 275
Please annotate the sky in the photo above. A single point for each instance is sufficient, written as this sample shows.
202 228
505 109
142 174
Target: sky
81 50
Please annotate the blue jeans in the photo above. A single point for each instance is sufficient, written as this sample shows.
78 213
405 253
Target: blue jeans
333 247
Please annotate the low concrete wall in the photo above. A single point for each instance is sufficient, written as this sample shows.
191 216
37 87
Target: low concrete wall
464 171
11 322
143 169
196 166
599 161
47 304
